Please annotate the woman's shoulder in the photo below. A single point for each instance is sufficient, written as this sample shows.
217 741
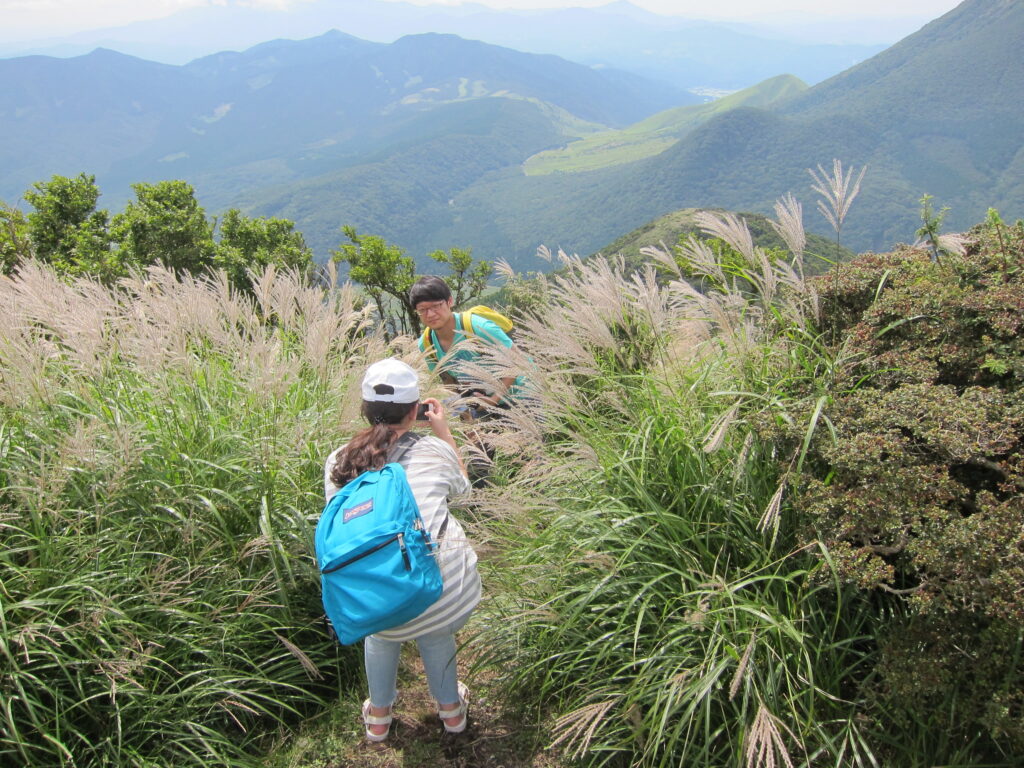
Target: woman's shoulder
431 445
333 455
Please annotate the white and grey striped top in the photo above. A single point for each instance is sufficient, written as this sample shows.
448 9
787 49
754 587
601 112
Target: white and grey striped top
434 476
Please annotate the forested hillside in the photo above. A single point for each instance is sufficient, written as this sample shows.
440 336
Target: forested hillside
939 113
236 125
656 133
434 141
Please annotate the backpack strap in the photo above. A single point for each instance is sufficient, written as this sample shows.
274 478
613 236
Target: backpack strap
398 451
402 446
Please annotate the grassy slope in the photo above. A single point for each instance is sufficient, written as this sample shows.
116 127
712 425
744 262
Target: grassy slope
666 231
656 133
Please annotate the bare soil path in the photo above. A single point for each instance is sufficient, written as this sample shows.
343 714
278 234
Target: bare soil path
495 737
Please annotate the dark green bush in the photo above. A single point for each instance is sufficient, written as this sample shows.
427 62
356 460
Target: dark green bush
918 492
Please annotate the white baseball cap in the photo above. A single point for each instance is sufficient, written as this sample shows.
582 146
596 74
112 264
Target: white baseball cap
391 381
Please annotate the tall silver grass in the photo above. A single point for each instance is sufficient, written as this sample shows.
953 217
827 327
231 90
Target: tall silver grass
647 591
838 191
161 446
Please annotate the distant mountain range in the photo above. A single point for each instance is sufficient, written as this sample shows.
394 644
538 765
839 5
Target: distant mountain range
236 123
686 53
434 141
940 113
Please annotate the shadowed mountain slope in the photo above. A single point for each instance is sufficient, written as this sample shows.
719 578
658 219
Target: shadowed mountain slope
939 113
284 111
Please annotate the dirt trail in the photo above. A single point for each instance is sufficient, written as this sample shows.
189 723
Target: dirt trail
493 739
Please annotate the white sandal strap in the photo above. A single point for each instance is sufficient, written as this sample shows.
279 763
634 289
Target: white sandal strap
375 719
460 708
446 713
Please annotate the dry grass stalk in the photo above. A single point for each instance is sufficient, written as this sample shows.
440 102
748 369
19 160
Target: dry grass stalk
790 227
504 270
741 668
955 243
950 242
79 318
702 259
770 518
662 256
765 740
658 306
740 465
767 281
304 660
576 729
838 191
716 433
730 228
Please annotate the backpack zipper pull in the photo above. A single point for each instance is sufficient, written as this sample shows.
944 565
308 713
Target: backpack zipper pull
405 552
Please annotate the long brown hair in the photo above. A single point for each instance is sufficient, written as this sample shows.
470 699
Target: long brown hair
369 449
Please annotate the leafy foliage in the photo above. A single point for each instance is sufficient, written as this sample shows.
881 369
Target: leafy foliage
387 274
67 231
917 489
867 504
164 225
651 605
467 279
249 245
14 238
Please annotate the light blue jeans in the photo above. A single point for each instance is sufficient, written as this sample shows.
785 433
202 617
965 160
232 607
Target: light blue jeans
438 653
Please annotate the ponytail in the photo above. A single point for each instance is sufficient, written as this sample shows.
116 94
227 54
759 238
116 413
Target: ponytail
369 449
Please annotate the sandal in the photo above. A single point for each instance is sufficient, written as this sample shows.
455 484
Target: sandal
369 720
462 709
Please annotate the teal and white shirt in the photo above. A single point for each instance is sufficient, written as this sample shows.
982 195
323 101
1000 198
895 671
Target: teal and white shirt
485 329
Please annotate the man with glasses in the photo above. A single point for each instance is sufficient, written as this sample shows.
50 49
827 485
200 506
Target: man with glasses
432 299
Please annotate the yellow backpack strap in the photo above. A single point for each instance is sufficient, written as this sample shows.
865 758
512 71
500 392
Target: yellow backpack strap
486 312
427 344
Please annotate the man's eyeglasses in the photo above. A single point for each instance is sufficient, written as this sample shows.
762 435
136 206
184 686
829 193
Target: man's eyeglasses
425 309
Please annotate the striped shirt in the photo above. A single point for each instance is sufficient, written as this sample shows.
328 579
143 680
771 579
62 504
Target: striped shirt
432 469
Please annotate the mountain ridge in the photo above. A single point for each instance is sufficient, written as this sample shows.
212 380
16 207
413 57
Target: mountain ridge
687 52
290 104
951 131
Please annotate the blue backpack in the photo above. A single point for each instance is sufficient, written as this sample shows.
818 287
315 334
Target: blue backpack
377 563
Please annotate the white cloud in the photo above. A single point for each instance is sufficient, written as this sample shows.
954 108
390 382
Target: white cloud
19 18
735 9
25 19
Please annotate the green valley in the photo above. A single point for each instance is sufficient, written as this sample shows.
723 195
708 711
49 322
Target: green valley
656 133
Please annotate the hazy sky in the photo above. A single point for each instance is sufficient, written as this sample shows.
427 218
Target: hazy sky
35 18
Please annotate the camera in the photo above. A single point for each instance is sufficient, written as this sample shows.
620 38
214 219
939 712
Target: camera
422 411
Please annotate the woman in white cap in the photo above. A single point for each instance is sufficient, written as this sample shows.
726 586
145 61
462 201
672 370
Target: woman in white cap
435 471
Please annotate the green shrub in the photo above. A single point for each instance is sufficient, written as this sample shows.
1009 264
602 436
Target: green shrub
653 609
918 492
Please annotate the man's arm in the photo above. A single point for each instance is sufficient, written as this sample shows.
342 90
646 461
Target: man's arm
491 333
